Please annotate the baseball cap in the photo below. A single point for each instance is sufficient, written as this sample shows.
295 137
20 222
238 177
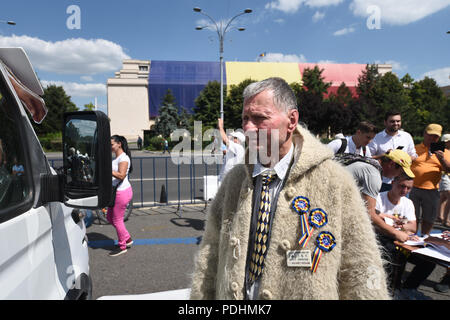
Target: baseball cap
434 129
403 159
446 137
239 135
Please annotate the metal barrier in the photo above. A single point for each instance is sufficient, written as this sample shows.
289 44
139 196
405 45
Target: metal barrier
158 181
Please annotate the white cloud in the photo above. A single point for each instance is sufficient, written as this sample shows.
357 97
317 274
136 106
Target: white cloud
287 6
87 78
318 16
292 6
399 12
344 31
440 75
280 57
322 3
73 89
70 56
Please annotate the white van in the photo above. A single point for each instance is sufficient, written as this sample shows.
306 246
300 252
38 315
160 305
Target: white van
43 243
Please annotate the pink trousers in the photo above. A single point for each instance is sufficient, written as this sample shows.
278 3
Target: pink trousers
115 216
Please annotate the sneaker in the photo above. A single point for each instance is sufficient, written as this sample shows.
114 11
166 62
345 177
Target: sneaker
410 294
444 285
117 252
129 243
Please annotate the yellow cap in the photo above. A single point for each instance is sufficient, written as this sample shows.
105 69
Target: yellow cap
403 159
434 129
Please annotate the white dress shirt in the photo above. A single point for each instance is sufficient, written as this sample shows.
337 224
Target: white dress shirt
383 142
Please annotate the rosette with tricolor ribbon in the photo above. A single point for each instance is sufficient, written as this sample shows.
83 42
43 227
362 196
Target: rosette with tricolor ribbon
325 243
301 205
317 219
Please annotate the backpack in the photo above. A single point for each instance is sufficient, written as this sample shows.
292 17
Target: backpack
344 146
349 158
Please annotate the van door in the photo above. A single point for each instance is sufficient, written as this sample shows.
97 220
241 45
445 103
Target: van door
27 261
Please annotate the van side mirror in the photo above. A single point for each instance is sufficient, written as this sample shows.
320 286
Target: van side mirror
87 160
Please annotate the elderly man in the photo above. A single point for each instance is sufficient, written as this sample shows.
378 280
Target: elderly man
290 226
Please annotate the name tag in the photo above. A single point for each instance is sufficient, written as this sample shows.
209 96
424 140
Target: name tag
298 258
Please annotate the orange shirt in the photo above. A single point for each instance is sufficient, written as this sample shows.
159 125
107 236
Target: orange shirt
427 169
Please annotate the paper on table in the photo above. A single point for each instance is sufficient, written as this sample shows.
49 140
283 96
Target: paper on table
420 242
432 253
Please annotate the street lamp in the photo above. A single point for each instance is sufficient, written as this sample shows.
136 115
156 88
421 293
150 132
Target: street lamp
8 22
221 31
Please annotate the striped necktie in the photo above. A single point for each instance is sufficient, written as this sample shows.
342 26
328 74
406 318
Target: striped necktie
262 230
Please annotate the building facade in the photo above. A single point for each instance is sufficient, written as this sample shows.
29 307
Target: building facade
136 92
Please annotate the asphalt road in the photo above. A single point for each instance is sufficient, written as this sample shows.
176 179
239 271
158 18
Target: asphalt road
162 257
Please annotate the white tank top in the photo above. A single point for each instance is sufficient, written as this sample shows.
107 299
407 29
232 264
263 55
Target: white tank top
115 167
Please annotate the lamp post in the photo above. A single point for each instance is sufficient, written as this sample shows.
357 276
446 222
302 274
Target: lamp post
12 23
221 31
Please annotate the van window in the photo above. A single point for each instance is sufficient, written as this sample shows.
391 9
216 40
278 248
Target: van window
14 185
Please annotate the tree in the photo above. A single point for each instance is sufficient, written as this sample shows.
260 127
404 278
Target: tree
89 107
365 90
428 105
57 102
389 94
234 104
207 105
340 112
310 98
167 121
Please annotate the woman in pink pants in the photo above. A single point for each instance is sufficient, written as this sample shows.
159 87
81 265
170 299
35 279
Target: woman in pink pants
121 167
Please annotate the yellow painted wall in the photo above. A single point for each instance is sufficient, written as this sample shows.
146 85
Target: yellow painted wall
236 72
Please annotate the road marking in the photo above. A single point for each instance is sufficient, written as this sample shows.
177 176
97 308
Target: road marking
164 179
144 242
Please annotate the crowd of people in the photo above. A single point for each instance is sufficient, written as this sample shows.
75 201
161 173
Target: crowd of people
408 201
257 244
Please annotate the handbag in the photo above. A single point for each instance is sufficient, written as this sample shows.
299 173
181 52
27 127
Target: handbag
113 194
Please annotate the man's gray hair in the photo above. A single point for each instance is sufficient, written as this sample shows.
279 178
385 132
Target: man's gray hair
283 96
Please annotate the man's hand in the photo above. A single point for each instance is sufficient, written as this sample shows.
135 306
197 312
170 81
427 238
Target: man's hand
401 236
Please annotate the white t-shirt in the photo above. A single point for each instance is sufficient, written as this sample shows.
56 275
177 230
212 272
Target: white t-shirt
336 144
404 208
235 155
115 167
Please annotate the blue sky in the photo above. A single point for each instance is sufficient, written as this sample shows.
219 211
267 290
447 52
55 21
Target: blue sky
410 35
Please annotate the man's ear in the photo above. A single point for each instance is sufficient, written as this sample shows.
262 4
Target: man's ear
293 117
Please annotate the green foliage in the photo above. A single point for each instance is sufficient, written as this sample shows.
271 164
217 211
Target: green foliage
427 105
388 94
51 142
57 102
155 143
89 107
168 119
234 103
310 98
207 105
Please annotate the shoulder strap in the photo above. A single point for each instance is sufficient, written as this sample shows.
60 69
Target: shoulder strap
343 146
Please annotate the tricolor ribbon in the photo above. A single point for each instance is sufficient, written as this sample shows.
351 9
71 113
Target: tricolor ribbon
301 205
317 219
325 243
